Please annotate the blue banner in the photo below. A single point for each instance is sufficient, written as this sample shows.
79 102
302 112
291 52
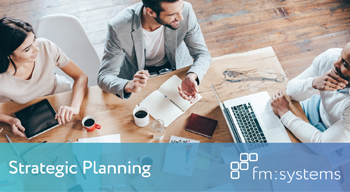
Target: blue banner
174 167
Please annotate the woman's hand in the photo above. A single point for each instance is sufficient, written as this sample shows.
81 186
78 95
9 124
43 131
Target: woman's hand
66 113
17 127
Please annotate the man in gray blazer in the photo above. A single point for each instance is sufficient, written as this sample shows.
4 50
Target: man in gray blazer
150 36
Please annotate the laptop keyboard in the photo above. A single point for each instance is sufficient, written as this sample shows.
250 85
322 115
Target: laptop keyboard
249 126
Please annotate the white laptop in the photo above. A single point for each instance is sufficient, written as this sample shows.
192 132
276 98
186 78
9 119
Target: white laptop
252 120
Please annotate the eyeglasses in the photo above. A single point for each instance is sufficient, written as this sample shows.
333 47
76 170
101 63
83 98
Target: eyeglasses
343 60
161 72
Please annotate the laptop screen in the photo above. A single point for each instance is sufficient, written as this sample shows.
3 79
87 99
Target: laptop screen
37 118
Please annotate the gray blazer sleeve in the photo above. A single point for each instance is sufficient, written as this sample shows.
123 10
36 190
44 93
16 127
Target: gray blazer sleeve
112 61
196 45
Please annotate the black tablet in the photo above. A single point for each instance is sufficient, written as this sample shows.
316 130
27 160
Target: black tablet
37 118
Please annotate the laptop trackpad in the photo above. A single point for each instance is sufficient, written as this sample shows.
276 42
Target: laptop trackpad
270 120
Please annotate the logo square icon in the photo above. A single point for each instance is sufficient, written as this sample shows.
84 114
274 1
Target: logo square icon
244 166
235 175
253 157
244 157
235 166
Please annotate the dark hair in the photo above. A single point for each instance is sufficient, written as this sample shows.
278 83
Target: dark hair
156 5
13 32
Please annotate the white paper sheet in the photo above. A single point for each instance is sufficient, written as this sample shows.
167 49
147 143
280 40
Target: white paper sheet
169 88
175 139
161 105
101 139
180 159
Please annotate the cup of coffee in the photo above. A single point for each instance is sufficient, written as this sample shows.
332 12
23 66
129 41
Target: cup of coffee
141 116
89 123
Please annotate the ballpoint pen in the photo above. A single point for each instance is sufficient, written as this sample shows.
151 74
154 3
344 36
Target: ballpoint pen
21 155
13 147
57 148
175 104
80 167
33 148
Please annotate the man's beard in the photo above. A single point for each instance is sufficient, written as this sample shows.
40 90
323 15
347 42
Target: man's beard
339 73
165 24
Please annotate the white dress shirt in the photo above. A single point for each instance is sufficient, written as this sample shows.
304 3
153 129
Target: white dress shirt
334 107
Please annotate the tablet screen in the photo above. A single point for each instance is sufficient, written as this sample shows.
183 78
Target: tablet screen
37 118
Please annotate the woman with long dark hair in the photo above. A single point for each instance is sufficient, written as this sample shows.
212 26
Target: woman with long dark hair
26 71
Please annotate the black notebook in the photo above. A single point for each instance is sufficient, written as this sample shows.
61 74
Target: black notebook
201 125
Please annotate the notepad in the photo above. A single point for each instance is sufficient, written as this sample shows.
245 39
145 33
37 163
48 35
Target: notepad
166 103
112 180
175 139
180 158
201 125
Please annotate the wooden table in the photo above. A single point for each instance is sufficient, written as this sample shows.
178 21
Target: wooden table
232 75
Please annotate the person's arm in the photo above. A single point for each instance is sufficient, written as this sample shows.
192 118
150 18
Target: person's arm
195 43
15 124
189 88
312 79
201 59
113 59
4 99
306 133
139 82
300 88
65 113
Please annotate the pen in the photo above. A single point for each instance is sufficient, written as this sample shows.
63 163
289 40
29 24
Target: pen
80 167
13 147
32 148
175 104
57 148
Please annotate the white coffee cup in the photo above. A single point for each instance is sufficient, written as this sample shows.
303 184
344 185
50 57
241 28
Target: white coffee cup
140 117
